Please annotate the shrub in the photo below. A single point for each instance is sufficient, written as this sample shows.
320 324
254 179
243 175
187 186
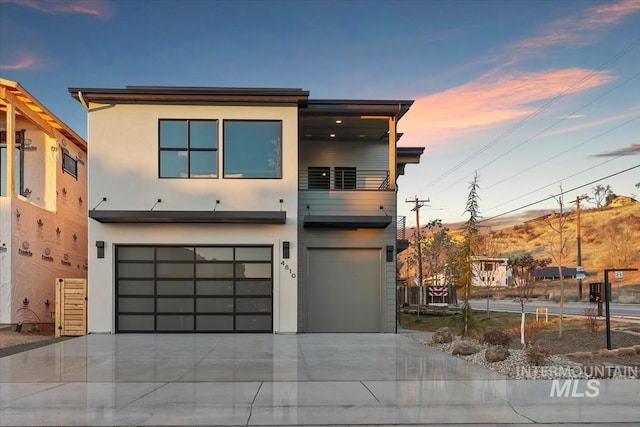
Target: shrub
536 353
495 337
627 351
590 319
606 353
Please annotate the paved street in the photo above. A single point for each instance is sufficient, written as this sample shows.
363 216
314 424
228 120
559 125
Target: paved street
619 311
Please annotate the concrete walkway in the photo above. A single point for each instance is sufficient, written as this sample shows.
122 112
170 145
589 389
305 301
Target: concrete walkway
320 379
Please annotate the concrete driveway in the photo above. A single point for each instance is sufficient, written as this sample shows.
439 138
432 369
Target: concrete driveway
319 379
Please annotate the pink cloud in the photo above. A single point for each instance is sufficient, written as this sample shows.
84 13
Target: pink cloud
100 8
489 101
579 30
24 62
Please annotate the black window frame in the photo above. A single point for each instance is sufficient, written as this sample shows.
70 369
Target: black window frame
279 169
19 147
344 178
189 149
319 178
74 162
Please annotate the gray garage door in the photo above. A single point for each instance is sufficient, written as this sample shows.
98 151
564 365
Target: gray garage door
194 288
343 290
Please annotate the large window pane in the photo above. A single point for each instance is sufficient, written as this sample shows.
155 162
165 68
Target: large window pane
253 323
142 270
175 254
253 254
135 253
135 287
173 134
175 305
217 270
253 271
204 134
214 254
253 287
135 305
135 323
175 323
214 323
206 287
175 270
214 305
175 287
253 149
173 164
253 305
203 164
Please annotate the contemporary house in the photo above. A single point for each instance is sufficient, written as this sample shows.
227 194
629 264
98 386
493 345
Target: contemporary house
241 210
490 271
43 212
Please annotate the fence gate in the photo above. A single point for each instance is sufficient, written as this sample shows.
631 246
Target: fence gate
71 307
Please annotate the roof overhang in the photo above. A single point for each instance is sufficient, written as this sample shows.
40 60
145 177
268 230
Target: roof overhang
29 107
407 155
346 221
189 95
189 217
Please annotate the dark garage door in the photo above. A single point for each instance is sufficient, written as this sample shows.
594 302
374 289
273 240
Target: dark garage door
194 288
343 290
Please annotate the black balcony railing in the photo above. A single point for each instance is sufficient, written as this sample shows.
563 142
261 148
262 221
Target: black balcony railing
342 178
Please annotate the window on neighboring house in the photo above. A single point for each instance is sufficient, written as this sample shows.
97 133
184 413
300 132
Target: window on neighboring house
69 165
252 148
344 178
18 163
188 148
319 178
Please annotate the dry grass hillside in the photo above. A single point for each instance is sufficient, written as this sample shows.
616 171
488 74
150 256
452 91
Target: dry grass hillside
610 238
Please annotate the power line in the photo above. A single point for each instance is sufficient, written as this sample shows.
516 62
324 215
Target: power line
555 156
556 182
537 112
560 194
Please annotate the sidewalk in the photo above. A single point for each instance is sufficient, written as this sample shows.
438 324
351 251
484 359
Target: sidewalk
320 379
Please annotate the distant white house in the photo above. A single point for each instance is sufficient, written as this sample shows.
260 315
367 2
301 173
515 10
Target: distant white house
490 271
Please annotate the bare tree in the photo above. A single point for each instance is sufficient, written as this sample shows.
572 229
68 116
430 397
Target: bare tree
558 248
600 194
522 264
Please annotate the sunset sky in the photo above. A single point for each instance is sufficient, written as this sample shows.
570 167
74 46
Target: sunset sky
530 94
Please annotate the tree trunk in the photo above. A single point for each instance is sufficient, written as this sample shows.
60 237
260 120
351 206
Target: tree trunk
522 341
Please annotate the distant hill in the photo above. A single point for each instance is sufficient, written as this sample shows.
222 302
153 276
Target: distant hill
610 238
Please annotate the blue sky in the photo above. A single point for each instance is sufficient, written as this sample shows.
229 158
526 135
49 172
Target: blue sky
531 94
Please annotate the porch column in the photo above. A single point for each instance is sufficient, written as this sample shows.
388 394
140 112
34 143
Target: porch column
392 153
11 148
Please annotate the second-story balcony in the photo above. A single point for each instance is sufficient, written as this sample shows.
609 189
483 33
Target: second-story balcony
343 178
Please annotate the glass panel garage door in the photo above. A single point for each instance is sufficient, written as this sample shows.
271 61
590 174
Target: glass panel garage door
194 288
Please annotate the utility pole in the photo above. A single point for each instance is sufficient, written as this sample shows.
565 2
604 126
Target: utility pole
578 248
417 205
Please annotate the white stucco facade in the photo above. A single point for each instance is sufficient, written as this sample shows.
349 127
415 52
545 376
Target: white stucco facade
123 168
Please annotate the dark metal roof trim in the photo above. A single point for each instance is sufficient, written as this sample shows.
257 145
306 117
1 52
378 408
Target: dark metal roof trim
189 217
168 94
396 108
346 221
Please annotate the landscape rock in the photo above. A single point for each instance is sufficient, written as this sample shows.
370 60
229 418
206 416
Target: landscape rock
442 336
464 348
496 353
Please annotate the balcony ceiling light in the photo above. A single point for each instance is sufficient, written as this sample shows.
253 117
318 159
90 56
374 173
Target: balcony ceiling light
332 135
338 121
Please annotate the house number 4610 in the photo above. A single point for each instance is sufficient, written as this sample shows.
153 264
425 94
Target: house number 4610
288 269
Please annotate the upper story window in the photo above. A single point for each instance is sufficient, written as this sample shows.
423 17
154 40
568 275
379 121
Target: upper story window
18 163
344 178
252 149
69 165
188 148
319 178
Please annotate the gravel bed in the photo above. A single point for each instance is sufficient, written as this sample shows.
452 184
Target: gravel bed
516 365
